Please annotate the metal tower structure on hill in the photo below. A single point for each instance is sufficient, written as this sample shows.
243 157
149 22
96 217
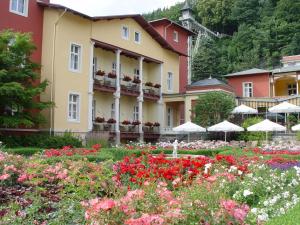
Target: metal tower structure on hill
188 21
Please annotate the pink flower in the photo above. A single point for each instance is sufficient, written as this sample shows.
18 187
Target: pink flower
4 176
105 205
23 177
239 214
146 219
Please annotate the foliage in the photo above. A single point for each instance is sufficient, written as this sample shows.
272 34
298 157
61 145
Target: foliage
213 107
257 33
40 141
252 136
19 89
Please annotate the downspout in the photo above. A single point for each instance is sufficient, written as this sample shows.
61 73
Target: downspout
165 35
53 74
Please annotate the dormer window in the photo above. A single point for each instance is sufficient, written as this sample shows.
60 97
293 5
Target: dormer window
19 7
175 36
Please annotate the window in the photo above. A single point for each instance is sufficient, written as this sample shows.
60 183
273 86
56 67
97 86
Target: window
95 66
113 110
74 101
170 81
75 58
247 90
19 7
114 67
175 36
94 110
137 37
292 89
169 117
125 33
136 113
136 73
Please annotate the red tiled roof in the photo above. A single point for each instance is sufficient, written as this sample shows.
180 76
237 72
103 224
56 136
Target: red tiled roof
290 58
137 17
165 20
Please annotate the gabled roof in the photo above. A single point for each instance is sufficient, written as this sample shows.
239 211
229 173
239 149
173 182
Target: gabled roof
287 69
172 22
137 17
248 72
207 82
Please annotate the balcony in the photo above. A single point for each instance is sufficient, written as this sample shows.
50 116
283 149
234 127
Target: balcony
105 83
151 92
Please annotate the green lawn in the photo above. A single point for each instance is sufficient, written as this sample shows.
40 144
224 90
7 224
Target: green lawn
290 218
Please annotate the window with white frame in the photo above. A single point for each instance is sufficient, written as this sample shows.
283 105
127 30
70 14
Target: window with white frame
170 81
19 7
136 113
75 57
94 110
175 36
136 73
113 110
114 67
247 89
74 107
95 66
137 37
125 32
169 117
292 89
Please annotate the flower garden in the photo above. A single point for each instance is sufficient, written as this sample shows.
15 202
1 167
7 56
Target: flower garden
141 184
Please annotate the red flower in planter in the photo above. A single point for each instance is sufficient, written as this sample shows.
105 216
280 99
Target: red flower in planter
127 78
126 122
100 73
149 84
148 124
112 75
136 80
157 86
135 123
111 120
99 120
156 124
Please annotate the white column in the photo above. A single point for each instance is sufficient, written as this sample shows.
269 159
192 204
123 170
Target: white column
90 88
117 96
189 58
297 85
161 116
140 99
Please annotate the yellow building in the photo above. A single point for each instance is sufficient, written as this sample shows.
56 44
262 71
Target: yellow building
114 68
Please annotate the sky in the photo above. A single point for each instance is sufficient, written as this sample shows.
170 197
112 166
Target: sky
115 7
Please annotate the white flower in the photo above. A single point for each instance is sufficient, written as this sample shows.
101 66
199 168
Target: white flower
286 194
240 172
263 217
247 193
254 210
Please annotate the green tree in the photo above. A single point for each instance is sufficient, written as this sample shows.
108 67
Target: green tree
19 89
213 107
246 11
216 14
206 61
252 136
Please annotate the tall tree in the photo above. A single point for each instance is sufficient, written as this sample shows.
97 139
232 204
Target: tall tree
19 91
246 11
216 14
213 107
206 61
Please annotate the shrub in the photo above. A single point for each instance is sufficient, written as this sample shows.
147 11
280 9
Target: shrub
251 136
40 141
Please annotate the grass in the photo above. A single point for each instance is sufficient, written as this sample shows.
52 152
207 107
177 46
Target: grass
27 151
290 218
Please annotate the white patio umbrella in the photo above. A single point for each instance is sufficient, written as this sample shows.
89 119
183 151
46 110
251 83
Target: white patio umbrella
296 128
285 108
189 127
243 109
225 127
266 126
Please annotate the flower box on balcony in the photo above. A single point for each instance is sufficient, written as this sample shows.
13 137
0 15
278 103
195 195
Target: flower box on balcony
136 80
149 84
99 120
111 121
127 78
100 73
157 86
156 124
112 75
126 122
148 124
136 123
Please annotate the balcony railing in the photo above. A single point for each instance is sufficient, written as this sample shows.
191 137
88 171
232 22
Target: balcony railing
129 88
151 93
104 83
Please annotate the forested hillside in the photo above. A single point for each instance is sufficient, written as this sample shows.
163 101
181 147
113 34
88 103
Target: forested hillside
259 33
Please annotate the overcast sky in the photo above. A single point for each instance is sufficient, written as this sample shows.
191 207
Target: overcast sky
115 7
